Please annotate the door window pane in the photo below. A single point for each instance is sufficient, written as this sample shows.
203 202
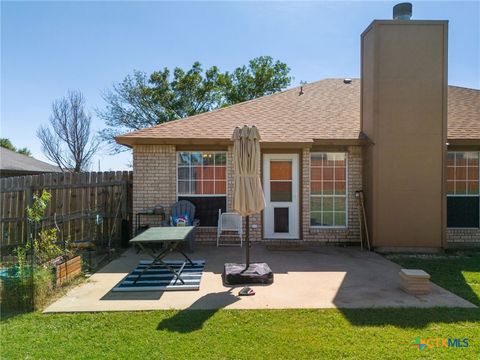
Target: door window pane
280 220
280 191
280 170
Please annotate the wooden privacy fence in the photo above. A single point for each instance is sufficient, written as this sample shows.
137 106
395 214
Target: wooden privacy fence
85 207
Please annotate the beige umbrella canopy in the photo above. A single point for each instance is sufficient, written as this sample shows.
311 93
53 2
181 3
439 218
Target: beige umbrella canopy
248 196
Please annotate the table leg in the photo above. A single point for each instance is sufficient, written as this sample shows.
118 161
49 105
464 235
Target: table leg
186 257
155 259
158 260
172 270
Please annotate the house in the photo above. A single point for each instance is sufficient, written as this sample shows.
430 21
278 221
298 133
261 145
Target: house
15 164
400 134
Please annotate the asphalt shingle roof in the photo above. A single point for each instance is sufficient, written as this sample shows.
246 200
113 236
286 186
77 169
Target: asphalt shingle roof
12 161
328 109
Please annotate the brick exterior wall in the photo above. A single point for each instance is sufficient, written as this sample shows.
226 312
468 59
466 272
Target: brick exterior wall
351 233
463 237
154 182
154 174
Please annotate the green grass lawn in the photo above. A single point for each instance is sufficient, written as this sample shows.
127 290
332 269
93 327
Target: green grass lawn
259 334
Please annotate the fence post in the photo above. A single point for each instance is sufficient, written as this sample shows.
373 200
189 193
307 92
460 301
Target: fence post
28 203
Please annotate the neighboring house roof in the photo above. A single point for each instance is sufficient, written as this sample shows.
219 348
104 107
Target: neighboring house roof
13 162
327 110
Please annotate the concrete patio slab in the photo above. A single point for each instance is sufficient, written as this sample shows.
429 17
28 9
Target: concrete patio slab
322 277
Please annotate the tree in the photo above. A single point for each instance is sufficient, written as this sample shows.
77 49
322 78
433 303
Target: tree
68 141
138 102
262 77
7 144
141 101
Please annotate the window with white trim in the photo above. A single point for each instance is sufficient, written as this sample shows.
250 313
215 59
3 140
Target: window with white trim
202 180
328 189
463 189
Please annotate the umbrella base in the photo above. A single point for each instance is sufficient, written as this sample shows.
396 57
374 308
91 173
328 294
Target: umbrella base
257 273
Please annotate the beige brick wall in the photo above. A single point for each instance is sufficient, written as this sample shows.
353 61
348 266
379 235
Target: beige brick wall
154 182
153 178
352 232
461 237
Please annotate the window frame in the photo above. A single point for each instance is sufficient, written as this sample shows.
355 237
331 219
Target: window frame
462 195
340 227
177 194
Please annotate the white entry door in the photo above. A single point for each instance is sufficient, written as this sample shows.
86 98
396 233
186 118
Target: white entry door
280 182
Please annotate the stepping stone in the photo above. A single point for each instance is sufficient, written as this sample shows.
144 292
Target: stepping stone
415 281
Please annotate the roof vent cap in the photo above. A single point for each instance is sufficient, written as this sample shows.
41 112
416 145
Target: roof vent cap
402 11
347 81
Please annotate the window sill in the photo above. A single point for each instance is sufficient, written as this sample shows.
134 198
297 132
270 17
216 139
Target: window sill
329 227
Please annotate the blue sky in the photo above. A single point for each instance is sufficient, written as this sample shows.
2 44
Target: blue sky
50 47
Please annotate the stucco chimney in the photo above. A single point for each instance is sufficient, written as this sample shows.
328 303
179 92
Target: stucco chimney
404 115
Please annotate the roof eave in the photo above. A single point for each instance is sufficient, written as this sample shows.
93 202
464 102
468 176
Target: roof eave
464 142
134 141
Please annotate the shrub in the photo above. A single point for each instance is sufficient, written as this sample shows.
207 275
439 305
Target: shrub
25 291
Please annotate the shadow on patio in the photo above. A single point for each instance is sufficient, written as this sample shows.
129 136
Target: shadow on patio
193 318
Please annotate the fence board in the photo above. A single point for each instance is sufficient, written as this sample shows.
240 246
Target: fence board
76 201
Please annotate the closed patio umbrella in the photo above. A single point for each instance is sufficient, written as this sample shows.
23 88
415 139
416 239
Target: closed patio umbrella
248 199
248 196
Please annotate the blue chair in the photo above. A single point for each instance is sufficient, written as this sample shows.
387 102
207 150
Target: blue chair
182 208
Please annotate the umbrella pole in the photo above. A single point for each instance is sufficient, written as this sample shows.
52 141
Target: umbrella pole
247 242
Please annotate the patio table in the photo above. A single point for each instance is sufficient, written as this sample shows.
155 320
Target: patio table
170 238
